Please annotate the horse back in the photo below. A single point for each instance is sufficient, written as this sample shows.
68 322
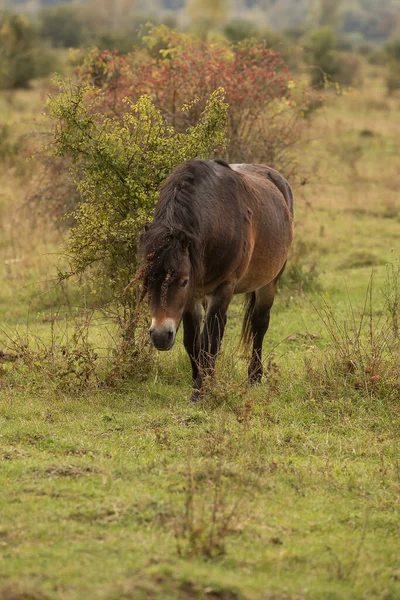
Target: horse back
261 174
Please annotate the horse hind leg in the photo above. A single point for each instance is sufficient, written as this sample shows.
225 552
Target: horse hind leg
258 323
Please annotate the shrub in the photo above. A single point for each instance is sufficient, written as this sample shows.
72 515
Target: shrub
119 163
266 107
268 114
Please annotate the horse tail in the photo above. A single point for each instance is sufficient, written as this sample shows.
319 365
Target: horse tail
247 331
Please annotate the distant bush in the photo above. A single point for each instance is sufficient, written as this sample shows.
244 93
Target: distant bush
63 25
365 49
348 69
374 21
22 56
393 77
392 50
126 41
302 274
327 64
320 47
276 41
391 56
295 33
9 146
238 30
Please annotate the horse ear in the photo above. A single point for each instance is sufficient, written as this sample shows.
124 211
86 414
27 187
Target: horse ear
146 227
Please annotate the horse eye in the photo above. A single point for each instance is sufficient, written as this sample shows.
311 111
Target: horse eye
184 283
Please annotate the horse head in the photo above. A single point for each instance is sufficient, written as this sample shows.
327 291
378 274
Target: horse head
167 279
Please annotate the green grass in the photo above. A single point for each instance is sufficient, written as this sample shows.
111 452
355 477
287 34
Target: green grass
94 488
287 491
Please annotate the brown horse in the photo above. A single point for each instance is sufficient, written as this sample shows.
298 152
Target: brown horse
218 230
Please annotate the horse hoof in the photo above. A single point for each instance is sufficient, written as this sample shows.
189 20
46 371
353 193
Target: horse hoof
255 380
195 397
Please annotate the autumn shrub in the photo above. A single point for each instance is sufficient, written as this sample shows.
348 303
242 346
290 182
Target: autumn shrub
267 107
269 111
118 163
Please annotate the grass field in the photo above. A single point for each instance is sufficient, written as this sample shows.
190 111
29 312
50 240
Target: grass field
287 491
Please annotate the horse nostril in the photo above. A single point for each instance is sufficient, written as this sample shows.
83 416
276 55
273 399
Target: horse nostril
170 334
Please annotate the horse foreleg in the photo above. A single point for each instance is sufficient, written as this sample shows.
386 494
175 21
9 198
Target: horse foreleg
191 336
212 336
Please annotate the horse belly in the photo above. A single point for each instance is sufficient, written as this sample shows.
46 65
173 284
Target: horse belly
256 277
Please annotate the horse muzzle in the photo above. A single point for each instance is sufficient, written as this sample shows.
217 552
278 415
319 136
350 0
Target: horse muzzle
163 336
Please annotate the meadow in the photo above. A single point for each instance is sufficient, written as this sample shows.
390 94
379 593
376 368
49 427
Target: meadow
285 491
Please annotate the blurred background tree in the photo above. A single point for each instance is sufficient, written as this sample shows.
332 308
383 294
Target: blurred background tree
64 25
23 56
330 38
326 13
320 46
392 51
207 15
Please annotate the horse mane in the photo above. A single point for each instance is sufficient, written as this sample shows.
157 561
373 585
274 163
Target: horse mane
176 226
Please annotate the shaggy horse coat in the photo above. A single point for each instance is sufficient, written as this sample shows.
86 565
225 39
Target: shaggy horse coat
218 230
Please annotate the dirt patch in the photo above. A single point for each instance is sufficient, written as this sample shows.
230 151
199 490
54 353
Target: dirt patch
302 335
142 513
12 454
79 452
14 591
73 471
7 356
163 587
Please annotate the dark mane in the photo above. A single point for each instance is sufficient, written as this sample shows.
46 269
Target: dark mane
177 223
